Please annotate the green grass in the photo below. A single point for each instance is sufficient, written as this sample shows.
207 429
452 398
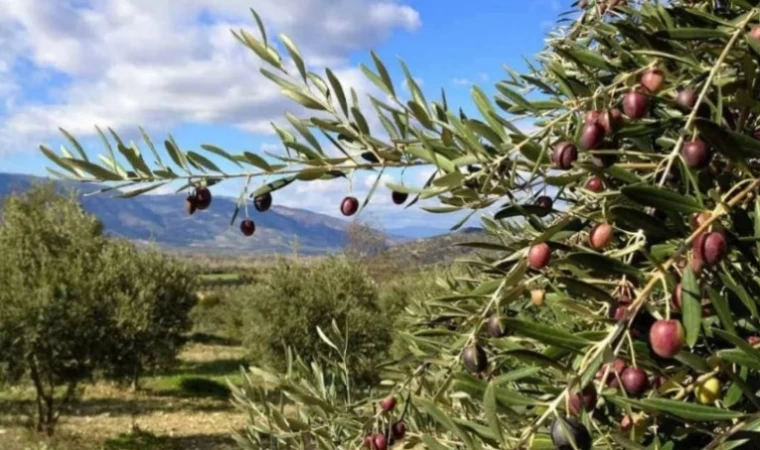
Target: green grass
197 379
211 277
141 440
190 386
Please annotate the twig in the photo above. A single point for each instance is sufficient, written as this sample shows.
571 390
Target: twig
690 121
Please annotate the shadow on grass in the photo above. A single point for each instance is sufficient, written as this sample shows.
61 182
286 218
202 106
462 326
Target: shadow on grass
203 387
220 367
148 441
190 387
16 411
210 339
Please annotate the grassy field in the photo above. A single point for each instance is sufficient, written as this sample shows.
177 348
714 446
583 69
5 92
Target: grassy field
184 409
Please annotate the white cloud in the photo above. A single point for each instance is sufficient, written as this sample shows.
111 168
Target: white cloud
461 81
160 63
420 82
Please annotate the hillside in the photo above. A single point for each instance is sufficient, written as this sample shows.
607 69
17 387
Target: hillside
161 220
437 249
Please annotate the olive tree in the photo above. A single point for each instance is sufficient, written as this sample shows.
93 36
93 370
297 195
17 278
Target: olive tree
151 295
74 304
284 309
364 241
622 310
51 315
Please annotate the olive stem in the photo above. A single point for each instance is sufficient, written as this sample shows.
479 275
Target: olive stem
693 115
260 174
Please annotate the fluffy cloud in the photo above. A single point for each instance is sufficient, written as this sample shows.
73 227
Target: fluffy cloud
121 63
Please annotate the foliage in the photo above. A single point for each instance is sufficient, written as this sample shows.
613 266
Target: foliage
312 393
151 295
219 312
285 308
679 161
73 304
51 326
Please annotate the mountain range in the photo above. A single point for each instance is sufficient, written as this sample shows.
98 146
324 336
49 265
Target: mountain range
162 220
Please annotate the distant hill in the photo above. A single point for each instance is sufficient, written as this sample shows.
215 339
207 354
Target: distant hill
161 219
438 249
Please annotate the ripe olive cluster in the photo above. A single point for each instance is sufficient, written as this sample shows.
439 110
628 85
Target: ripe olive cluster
665 337
389 435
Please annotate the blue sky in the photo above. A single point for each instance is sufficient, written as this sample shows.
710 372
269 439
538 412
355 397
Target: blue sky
173 67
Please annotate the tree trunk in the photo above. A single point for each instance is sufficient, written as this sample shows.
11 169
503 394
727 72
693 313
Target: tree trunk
45 415
50 418
40 392
136 378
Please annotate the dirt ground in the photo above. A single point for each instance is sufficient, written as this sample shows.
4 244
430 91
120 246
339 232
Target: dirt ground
165 415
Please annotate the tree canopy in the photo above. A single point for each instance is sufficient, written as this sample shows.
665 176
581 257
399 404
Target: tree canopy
74 304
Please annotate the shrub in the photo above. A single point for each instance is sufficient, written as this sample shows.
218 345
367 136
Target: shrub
286 307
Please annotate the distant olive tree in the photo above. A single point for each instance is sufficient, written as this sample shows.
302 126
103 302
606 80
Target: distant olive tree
152 295
285 308
51 314
74 304
363 241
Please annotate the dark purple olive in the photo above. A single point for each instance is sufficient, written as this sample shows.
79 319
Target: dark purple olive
349 206
497 326
263 202
474 358
202 198
686 100
398 430
592 136
399 197
710 248
565 154
584 400
544 201
635 381
569 433
635 105
610 121
696 153
595 184
247 227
